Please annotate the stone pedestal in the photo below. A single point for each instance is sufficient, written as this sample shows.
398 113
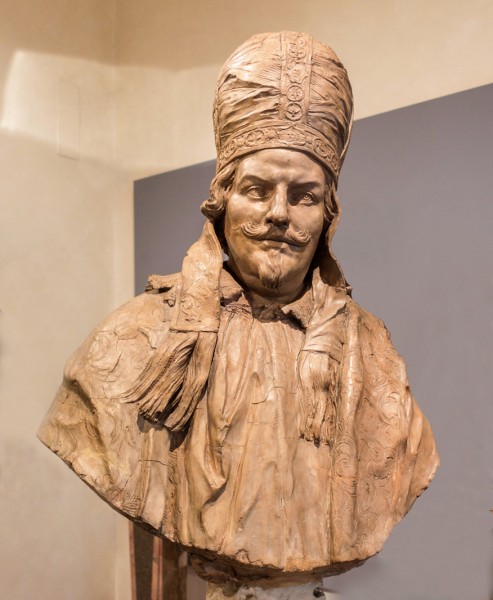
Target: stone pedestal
306 591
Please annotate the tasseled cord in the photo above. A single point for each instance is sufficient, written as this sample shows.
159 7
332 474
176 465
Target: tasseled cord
317 381
173 381
319 361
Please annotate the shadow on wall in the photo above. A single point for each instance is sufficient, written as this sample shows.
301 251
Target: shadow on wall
62 102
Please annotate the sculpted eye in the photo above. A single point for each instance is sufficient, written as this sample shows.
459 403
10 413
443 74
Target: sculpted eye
304 198
257 192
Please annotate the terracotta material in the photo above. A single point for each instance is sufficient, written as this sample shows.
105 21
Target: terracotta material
252 412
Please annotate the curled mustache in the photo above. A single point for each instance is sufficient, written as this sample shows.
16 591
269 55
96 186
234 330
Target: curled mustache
297 237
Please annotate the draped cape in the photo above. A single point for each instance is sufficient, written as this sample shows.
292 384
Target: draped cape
185 486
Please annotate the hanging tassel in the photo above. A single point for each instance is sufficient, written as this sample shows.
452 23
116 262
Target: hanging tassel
317 386
173 381
319 362
195 381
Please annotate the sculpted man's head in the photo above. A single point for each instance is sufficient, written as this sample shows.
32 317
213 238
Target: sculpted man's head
274 219
274 216
282 118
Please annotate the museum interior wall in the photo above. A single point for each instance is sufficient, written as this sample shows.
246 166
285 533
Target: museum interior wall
96 94
60 274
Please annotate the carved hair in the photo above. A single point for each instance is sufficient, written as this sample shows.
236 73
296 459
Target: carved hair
215 206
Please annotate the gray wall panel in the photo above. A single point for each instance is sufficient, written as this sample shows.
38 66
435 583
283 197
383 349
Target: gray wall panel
168 218
415 242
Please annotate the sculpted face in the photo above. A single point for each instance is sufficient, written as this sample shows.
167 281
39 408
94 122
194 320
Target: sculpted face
274 219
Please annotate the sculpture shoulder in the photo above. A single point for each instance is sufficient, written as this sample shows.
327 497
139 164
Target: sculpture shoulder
375 343
117 350
102 438
366 318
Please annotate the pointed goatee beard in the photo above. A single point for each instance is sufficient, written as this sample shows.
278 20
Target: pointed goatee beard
270 272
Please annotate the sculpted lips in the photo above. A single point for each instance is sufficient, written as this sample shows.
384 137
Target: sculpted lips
270 232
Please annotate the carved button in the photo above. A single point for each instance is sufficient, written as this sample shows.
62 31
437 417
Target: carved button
320 148
229 149
295 93
297 73
293 111
254 137
292 136
296 51
288 136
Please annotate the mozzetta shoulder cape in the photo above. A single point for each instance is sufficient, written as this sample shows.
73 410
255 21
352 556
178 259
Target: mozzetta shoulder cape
240 488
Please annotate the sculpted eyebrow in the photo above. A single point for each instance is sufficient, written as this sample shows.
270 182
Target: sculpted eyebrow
308 185
256 179
249 178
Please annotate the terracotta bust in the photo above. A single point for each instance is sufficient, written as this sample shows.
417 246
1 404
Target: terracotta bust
250 410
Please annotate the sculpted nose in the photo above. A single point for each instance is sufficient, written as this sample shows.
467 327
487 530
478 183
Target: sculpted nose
278 210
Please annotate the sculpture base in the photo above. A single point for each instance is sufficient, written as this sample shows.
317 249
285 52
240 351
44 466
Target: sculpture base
289 592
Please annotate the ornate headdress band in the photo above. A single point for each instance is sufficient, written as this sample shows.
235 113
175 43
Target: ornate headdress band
283 90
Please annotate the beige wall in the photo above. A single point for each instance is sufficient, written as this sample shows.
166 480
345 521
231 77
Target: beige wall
61 251
93 95
397 53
